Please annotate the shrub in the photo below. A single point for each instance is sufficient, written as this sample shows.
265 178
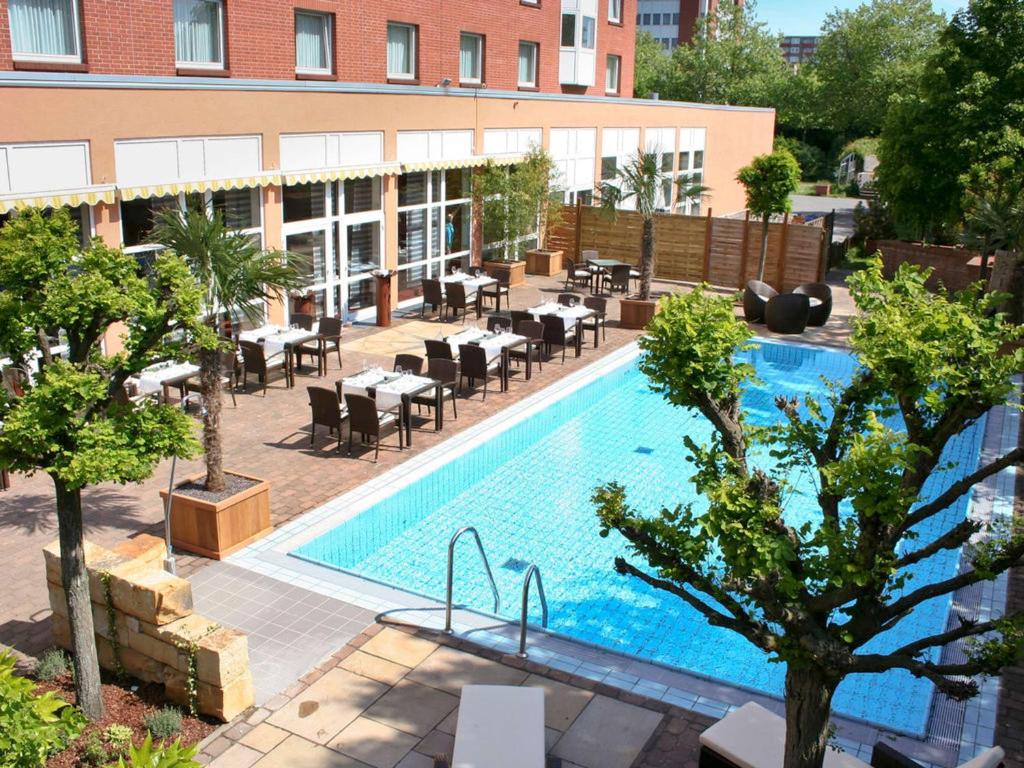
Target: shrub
32 726
813 162
52 664
93 751
872 222
163 723
119 737
167 756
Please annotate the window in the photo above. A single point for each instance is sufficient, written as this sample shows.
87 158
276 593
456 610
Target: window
656 18
611 75
615 11
647 19
44 30
589 32
527 65
80 215
675 19
471 58
312 43
609 168
401 51
568 30
199 33
638 17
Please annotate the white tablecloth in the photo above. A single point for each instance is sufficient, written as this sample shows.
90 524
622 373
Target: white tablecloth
495 344
389 395
262 332
472 284
464 337
275 345
358 384
569 315
152 379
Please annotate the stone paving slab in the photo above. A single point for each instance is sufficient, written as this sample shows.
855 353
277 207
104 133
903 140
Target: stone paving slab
327 706
587 743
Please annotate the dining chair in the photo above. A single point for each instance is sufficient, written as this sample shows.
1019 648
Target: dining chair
618 280
301 319
455 299
518 317
600 320
328 339
447 372
498 321
407 362
569 299
534 331
433 295
473 365
497 290
364 418
577 275
556 334
436 348
326 412
254 360
227 363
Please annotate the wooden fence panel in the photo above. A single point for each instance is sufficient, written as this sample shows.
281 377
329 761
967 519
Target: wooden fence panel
727 241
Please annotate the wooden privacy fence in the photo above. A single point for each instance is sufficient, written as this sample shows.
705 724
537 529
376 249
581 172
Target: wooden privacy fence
723 252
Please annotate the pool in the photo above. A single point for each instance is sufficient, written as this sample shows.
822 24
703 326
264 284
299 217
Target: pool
527 492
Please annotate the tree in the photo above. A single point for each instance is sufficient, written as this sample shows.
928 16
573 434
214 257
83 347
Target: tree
733 59
650 67
69 422
813 595
516 201
967 112
236 275
769 181
642 181
869 54
994 209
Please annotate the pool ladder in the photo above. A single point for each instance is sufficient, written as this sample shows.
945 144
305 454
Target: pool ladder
532 573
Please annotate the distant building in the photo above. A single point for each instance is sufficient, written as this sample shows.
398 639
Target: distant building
671 22
799 50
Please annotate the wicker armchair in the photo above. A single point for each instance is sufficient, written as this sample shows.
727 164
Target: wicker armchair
326 412
821 311
473 365
254 360
406 362
455 299
556 334
328 339
364 418
534 331
433 296
438 349
755 298
447 372
788 313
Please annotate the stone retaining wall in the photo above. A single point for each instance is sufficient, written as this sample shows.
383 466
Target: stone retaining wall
155 636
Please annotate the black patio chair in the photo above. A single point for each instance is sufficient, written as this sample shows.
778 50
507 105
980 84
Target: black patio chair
364 418
447 372
473 365
617 280
494 322
436 348
556 334
328 339
432 295
534 331
455 299
755 298
326 412
497 290
406 362
787 313
577 275
820 313
569 299
302 320
254 360
600 320
518 316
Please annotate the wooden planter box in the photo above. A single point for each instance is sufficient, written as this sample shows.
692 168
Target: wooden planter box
216 529
636 314
515 271
543 262
822 190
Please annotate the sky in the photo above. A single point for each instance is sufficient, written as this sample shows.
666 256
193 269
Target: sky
804 17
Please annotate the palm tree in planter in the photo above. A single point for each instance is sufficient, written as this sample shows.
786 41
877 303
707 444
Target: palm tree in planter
641 181
237 277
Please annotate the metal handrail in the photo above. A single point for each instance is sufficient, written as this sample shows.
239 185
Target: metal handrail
532 571
451 577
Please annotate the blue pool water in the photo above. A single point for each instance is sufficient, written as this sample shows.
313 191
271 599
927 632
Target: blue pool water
528 491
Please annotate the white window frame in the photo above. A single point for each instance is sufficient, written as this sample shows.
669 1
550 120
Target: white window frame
479 76
337 278
75 58
581 27
413 42
212 65
614 90
328 29
615 11
535 47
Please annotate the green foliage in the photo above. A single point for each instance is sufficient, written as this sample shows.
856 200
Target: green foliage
872 222
868 55
650 68
52 664
164 722
167 756
769 180
119 737
811 159
639 180
516 201
966 113
32 726
994 206
814 594
93 752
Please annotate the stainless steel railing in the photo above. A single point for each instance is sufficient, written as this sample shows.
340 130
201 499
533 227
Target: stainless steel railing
532 571
451 577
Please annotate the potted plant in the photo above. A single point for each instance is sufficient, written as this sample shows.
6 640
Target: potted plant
769 181
515 202
216 513
641 180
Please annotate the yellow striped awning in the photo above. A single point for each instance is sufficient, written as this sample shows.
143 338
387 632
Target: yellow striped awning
205 185
473 161
318 175
73 197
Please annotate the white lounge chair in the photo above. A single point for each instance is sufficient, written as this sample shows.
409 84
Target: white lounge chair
753 737
500 726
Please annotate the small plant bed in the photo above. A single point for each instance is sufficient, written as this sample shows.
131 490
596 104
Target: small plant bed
131 707
233 484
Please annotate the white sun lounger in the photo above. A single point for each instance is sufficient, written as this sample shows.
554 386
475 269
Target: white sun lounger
500 726
753 737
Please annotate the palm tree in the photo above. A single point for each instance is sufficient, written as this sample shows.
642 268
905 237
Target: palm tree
641 180
237 275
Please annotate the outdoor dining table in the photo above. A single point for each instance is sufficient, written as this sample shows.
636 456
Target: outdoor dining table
277 340
473 284
162 377
604 266
391 390
495 345
570 315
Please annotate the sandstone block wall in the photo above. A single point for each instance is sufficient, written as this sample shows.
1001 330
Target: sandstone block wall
155 636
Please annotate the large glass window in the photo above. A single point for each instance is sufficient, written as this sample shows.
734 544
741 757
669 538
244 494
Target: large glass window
199 33
401 51
339 229
434 225
312 43
615 11
611 74
568 30
471 58
527 65
589 38
44 30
